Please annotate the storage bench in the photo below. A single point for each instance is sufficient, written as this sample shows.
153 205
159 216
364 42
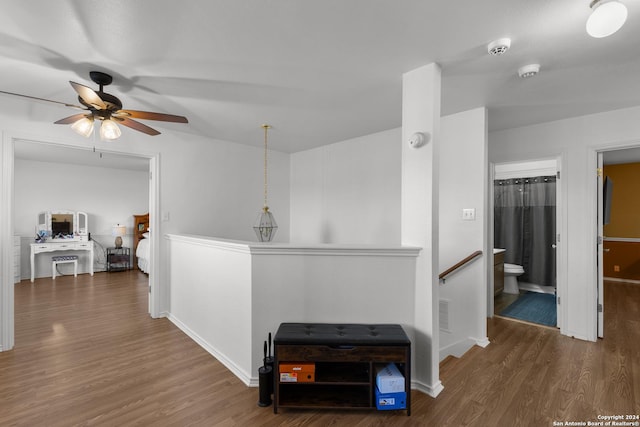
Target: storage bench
343 358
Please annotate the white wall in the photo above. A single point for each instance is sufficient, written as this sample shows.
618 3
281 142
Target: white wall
348 192
575 141
215 188
108 196
211 292
463 180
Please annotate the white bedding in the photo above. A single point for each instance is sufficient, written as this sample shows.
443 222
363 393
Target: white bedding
142 252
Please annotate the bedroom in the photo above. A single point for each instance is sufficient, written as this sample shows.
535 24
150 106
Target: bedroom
109 188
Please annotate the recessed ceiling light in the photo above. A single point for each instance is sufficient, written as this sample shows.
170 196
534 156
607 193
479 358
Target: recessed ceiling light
498 47
529 70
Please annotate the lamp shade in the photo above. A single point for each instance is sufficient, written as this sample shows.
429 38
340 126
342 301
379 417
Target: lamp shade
118 230
109 130
84 126
606 18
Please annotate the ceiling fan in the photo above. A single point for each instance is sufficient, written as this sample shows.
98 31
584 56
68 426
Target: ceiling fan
102 106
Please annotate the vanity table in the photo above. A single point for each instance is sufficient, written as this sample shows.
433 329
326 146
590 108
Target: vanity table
38 248
64 231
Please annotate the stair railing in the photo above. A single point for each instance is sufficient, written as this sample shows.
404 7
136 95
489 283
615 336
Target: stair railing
458 265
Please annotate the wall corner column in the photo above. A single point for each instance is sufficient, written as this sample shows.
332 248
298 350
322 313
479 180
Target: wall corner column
421 90
6 234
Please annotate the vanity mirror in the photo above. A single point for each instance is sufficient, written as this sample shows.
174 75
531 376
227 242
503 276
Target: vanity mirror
63 225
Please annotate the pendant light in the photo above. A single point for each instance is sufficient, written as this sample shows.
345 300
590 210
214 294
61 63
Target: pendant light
265 225
608 16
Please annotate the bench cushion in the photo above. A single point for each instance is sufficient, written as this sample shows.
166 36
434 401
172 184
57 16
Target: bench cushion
341 334
64 258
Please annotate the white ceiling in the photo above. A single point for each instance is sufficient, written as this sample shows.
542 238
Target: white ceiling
317 71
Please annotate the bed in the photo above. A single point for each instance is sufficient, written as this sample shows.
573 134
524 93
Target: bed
141 241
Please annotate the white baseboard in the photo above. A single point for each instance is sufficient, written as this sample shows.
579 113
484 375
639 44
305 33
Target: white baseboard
228 363
458 349
482 342
430 390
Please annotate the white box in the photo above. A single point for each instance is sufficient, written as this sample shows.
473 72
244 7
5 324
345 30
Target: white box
389 379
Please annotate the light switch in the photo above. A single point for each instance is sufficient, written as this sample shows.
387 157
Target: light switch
469 214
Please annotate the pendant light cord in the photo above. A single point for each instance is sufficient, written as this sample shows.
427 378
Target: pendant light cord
266 127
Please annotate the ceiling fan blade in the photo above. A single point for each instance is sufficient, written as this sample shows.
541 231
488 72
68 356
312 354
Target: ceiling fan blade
70 119
147 115
136 125
89 95
35 98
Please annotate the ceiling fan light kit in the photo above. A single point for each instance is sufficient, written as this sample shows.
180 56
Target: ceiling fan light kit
106 108
83 126
109 130
607 17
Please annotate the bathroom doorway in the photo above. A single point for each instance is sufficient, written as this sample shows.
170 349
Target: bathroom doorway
525 200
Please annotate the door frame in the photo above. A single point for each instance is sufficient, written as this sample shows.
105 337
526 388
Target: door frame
7 161
600 244
561 252
594 155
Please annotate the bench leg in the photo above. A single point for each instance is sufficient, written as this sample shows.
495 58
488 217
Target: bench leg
53 270
75 268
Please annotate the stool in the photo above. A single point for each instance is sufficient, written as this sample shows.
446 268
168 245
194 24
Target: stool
63 259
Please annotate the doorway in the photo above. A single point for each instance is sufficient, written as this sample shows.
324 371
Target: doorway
7 219
525 200
618 233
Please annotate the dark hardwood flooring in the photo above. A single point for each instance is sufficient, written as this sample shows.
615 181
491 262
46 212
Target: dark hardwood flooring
87 353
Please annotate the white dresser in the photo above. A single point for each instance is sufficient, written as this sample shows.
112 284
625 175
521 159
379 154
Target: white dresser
16 259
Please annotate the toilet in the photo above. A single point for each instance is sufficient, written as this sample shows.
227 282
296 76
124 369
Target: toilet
511 272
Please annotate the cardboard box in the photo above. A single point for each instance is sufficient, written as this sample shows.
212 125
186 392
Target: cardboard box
389 379
390 401
297 372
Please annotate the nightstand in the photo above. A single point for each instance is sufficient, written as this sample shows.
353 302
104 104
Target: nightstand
118 259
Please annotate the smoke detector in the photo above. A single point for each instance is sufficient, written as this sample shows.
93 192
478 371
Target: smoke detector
529 70
498 47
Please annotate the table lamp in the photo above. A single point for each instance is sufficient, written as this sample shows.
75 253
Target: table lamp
118 231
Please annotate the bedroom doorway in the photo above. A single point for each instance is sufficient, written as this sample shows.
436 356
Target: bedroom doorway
10 217
618 172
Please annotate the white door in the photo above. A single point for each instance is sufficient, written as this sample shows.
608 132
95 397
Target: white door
600 246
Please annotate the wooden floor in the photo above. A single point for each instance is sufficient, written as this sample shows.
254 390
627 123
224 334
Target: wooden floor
87 353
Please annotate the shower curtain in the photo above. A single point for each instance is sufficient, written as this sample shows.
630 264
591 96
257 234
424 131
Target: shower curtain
525 225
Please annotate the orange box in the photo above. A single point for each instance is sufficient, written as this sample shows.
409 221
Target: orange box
297 372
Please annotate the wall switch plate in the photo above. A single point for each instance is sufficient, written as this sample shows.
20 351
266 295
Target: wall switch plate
469 214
